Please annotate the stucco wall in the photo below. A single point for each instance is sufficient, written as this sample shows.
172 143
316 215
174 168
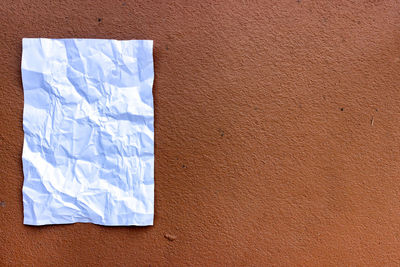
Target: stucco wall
277 133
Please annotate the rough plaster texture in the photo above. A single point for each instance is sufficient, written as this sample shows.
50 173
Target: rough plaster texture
277 133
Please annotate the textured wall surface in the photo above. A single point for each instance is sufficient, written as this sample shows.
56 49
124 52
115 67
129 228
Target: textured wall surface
277 133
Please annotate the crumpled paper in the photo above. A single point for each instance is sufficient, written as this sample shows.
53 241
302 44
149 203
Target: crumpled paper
88 153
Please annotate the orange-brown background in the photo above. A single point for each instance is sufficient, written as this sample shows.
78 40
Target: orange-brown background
277 133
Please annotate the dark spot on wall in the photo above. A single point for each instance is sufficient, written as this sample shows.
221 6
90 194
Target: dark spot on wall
184 166
341 109
99 19
2 204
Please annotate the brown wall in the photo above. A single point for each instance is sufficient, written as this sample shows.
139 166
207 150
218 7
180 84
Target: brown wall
277 133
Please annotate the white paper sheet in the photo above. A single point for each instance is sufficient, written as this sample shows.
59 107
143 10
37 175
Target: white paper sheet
88 153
